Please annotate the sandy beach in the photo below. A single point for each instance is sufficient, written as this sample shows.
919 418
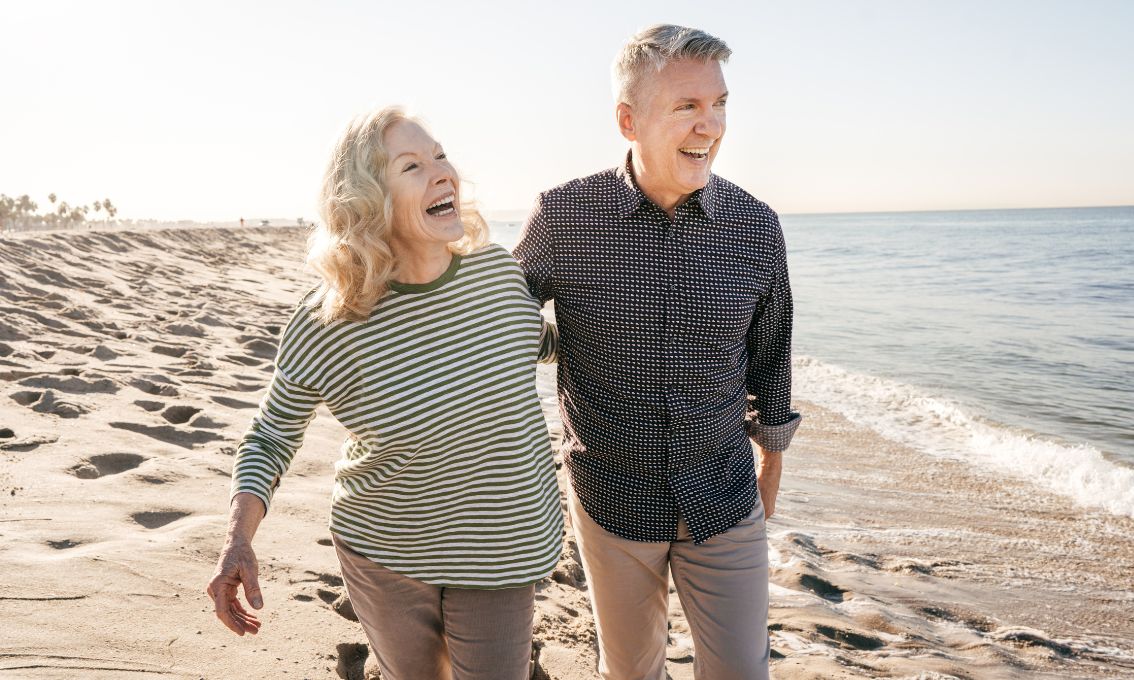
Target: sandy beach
132 361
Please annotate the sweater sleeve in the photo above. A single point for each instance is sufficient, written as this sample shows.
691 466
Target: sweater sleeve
548 343
274 436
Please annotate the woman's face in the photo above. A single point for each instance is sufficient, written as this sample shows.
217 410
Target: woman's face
423 186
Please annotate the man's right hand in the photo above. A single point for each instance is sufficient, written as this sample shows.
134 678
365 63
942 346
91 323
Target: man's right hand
236 566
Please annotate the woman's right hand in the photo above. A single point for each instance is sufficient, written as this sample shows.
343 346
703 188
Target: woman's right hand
236 566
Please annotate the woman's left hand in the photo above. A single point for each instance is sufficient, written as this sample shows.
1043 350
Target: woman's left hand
237 565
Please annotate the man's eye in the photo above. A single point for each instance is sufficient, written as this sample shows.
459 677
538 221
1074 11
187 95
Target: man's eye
685 107
721 103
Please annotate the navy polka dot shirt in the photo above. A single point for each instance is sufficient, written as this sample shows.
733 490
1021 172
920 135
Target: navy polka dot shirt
674 348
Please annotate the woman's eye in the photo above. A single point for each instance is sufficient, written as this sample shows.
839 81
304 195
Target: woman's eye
442 156
409 167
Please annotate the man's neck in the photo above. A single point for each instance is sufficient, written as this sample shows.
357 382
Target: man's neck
667 201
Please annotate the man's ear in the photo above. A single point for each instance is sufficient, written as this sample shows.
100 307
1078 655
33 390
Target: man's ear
625 117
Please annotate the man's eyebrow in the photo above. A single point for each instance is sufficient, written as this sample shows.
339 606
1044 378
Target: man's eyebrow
682 100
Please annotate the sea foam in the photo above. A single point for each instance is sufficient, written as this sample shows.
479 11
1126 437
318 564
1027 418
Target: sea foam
942 427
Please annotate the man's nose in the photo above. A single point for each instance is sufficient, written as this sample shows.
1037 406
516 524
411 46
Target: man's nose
711 124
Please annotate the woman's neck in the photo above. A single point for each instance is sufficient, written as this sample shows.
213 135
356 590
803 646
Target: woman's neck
420 263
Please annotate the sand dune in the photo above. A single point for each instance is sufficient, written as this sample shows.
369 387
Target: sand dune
130 363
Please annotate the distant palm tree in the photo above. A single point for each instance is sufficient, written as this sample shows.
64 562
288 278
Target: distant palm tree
111 211
7 211
51 197
25 208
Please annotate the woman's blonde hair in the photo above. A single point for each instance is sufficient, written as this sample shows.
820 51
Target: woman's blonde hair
350 247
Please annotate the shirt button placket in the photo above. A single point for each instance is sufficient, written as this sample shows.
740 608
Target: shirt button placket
671 282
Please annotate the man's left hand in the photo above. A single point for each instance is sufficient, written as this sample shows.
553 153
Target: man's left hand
770 465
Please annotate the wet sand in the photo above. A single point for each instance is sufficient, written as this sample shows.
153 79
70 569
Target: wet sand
130 363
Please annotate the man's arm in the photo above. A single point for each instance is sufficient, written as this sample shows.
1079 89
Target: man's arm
770 420
535 253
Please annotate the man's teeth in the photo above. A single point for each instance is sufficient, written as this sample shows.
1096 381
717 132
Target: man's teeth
696 152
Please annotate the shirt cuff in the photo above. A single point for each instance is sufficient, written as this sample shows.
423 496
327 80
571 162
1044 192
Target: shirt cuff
774 437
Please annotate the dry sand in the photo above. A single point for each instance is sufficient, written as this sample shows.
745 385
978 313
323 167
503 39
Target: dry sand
130 363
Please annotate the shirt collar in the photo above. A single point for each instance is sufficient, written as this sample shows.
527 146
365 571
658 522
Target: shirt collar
630 197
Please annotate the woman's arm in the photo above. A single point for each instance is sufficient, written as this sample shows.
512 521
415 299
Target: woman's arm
237 566
548 343
264 454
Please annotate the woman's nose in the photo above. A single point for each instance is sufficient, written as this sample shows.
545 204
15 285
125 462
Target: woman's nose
443 175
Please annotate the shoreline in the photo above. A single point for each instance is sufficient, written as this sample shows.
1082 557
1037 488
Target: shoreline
131 360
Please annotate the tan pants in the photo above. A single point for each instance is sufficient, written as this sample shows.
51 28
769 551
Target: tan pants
722 584
424 632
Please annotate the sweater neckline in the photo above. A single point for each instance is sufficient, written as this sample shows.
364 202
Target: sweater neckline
447 276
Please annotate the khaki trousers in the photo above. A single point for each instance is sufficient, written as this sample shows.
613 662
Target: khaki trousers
722 584
424 632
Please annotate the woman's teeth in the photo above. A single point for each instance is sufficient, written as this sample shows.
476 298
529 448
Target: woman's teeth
695 152
442 207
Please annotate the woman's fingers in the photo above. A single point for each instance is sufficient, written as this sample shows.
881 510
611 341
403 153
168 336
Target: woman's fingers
236 566
251 581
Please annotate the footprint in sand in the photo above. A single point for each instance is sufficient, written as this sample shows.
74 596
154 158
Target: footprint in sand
849 639
161 388
258 347
64 544
50 402
204 422
185 330
169 434
155 520
105 464
179 415
72 384
822 587
352 660
182 414
174 351
229 402
28 443
150 406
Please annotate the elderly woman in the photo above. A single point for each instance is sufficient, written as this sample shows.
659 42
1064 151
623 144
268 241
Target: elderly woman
422 341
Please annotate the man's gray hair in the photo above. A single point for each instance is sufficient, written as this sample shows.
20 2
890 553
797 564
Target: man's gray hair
656 46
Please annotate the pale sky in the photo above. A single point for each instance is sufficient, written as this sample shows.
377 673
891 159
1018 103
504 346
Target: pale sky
215 110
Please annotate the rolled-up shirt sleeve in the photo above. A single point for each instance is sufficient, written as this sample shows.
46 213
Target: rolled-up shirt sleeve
770 421
535 254
274 436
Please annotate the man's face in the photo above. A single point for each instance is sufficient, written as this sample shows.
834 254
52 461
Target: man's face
676 127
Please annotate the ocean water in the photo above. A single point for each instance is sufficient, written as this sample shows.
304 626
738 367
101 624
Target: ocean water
1004 338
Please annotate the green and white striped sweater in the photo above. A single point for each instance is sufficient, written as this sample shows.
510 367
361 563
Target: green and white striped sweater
447 476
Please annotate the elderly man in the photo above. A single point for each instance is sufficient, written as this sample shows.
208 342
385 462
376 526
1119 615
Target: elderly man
674 309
